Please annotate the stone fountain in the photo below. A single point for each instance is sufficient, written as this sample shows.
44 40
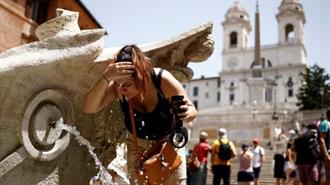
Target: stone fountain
44 81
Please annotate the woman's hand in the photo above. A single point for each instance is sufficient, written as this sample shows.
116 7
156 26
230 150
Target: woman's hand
186 110
119 70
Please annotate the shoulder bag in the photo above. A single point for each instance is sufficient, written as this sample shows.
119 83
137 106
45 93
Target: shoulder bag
158 163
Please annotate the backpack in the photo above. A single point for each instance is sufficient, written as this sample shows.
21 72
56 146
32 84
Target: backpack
308 145
314 146
225 151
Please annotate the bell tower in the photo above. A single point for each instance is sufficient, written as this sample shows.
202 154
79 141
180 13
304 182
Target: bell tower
291 20
236 28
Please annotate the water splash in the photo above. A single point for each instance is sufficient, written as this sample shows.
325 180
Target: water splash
118 163
103 174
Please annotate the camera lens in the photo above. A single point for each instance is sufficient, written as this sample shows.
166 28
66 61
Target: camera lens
178 140
179 137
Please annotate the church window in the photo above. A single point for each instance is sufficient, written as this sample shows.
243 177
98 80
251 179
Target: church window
232 98
37 10
219 81
195 91
265 63
232 86
289 84
290 93
289 32
268 95
231 92
233 40
218 96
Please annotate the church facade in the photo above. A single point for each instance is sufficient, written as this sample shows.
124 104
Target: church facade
257 104
280 62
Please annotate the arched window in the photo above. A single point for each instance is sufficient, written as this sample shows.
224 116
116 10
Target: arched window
289 32
290 84
231 92
233 40
232 86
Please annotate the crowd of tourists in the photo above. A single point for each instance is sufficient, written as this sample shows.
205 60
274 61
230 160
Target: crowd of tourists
303 158
221 153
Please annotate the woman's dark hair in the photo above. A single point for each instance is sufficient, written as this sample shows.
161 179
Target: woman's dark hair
125 54
245 146
143 67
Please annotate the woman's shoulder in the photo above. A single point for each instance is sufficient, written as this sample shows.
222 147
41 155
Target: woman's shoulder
158 69
164 72
249 153
167 79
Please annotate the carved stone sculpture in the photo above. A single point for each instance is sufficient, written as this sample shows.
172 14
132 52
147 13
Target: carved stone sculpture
46 80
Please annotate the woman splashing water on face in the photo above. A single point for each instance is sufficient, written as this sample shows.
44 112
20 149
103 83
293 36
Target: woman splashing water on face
132 79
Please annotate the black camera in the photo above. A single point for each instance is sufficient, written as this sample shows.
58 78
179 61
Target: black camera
179 134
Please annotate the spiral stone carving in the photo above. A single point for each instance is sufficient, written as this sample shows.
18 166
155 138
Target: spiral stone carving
41 138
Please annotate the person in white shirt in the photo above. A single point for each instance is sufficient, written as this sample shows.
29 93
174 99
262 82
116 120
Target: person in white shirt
258 159
277 132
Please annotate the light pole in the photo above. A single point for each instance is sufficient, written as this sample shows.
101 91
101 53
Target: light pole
274 116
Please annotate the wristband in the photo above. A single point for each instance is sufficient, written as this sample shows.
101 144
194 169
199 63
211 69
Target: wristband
105 78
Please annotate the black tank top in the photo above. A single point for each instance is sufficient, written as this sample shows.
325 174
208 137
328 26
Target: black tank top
151 125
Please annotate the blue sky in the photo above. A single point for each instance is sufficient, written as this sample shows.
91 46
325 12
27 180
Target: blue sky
146 21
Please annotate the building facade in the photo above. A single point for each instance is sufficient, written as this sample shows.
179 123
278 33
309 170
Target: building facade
20 18
281 62
246 102
204 92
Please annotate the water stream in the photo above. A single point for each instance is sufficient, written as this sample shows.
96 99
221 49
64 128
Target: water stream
116 165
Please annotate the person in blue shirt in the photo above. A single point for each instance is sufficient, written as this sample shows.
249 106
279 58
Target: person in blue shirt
324 129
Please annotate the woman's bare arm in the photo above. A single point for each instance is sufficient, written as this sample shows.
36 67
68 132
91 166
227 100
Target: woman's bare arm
171 87
103 91
99 96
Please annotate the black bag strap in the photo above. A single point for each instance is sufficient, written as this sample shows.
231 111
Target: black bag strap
157 78
224 142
